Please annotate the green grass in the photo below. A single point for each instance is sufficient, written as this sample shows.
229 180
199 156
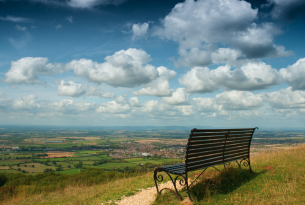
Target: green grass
69 171
10 162
8 171
278 178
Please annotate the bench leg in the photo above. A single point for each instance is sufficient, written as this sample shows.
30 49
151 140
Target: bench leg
156 179
160 179
187 187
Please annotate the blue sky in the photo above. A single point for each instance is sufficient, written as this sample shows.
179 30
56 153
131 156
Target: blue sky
215 63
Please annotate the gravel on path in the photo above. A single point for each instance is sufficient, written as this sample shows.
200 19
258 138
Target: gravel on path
147 196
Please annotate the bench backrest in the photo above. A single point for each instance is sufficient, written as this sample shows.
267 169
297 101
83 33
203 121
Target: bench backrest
210 147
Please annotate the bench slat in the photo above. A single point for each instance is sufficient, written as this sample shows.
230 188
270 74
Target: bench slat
217 141
218 137
220 133
204 156
211 159
217 130
209 148
214 163
200 154
191 147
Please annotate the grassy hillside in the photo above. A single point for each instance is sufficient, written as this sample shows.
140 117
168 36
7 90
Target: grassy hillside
278 178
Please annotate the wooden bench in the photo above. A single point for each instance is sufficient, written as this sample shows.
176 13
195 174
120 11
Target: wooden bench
208 148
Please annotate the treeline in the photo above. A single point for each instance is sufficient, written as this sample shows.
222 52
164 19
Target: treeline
17 183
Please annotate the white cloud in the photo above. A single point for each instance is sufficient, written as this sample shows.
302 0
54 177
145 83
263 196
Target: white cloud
15 19
113 107
134 102
257 42
228 100
285 99
193 22
20 28
25 103
179 97
58 26
126 68
73 89
27 70
70 107
193 57
229 56
204 104
108 95
252 76
139 30
159 86
122 99
70 89
294 75
201 26
238 100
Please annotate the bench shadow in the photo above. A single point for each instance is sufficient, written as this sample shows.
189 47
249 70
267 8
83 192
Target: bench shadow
223 183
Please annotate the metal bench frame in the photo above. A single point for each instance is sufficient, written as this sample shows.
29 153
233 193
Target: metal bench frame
208 148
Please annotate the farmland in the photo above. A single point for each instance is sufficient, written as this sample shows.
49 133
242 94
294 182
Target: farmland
34 150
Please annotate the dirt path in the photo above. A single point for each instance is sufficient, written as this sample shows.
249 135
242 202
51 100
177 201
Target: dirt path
147 196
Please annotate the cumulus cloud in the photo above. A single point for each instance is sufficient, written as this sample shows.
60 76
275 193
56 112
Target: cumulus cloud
285 98
139 30
252 76
179 97
159 86
122 99
27 70
25 103
193 57
73 89
199 27
113 107
294 75
204 104
283 9
228 100
134 102
257 42
229 56
70 107
70 89
126 68
193 22
238 100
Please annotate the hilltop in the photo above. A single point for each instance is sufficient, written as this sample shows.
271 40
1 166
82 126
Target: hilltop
279 178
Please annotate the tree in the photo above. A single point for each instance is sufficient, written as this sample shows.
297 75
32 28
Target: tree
3 179
59 168
79 165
